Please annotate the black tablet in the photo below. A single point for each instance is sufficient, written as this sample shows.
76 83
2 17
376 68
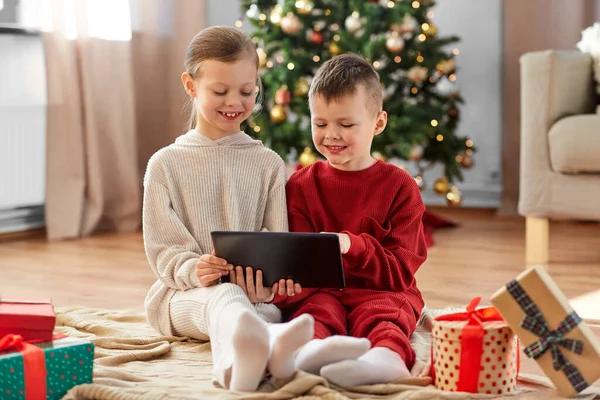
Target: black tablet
311 259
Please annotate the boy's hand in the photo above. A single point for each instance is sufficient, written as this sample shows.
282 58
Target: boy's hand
211 268
344 242
256 292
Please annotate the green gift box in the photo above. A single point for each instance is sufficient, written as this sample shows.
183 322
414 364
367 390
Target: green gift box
46 370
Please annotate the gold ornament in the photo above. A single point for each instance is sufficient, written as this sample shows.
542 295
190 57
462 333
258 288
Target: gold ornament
278 114
291 24
417 74
283 96
378 156
304 7
431 31
453 197
441 186
446 67
262 57
420 182
395 44
466 162
301 88
334 49
307 157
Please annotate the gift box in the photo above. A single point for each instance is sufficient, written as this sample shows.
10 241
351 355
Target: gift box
44 370
33 319
474 351
553 334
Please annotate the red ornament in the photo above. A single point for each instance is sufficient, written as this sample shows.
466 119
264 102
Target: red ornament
283 96
453 112
317 38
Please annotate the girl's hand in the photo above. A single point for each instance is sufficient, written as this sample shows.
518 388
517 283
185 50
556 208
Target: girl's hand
211 268
344 242
256 292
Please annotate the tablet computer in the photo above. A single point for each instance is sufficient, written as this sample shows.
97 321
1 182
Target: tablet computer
311 259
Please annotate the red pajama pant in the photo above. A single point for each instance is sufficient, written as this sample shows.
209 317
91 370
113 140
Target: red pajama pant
387 319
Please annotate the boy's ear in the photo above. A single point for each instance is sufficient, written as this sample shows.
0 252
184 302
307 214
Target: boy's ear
380 122
188 84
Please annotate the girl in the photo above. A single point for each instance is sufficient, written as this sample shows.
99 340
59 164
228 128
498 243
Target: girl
215 177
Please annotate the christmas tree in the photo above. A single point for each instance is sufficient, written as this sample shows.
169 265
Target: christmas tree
416 67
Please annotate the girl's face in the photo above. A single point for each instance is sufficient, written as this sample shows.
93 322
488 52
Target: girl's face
224 95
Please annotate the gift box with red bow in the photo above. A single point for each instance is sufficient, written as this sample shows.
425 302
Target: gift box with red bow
44 370
474 351
553 334
33 319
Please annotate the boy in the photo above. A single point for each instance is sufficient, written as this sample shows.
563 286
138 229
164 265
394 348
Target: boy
376 209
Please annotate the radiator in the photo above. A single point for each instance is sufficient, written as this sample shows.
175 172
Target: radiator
23 103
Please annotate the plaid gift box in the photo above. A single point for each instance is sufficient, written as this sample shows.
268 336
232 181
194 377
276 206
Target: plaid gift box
553 334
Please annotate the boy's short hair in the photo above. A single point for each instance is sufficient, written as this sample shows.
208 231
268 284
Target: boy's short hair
341 75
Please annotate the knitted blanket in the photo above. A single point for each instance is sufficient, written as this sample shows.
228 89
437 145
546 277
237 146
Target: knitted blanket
132 362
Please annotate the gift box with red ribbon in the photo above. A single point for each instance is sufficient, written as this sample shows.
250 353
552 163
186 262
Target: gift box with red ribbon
44 370
553 334
33 319
474 351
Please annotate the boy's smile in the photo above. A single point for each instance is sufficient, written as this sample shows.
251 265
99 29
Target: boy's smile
343 129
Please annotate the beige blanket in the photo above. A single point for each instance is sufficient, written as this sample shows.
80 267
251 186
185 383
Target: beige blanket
133 363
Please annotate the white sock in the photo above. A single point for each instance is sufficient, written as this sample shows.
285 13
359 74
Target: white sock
320 352
378 365
250 341
285 339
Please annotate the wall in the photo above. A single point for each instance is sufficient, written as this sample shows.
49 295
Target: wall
8 13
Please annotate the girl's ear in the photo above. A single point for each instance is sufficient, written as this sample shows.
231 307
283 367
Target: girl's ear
188 84
380 123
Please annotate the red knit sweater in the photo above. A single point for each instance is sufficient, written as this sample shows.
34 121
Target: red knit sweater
380 208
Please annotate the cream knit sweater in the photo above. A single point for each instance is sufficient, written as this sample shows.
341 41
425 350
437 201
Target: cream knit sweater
195 186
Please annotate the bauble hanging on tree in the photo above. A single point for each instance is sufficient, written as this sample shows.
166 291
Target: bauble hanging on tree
317 37
394 44
291 24
307 157
453 112
283 96
278 114
353 23
466 162
304 7
334 49
431 31
441 186
417 74
301 88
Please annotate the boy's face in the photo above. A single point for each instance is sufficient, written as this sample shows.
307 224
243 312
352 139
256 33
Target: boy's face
343 129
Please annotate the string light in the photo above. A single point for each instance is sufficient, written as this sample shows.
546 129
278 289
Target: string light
425 26
327 12
469 152
276 18
269 64
280 58
316 58
431 80
257 129
376 64
456 52
420 59
262 17
334 27
391 4
430 14
414 90
452 77
422 37
239 23
416 4
439 137
469 143
397 59
336 38
459 158
434 123
291 66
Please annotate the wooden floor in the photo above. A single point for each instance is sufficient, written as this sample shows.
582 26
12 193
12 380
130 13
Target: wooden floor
474 259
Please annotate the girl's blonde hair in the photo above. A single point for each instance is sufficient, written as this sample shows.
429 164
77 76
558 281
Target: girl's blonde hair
219 43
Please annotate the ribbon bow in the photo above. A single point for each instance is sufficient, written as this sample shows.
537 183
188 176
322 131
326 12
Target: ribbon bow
551 339
11 342
535 322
